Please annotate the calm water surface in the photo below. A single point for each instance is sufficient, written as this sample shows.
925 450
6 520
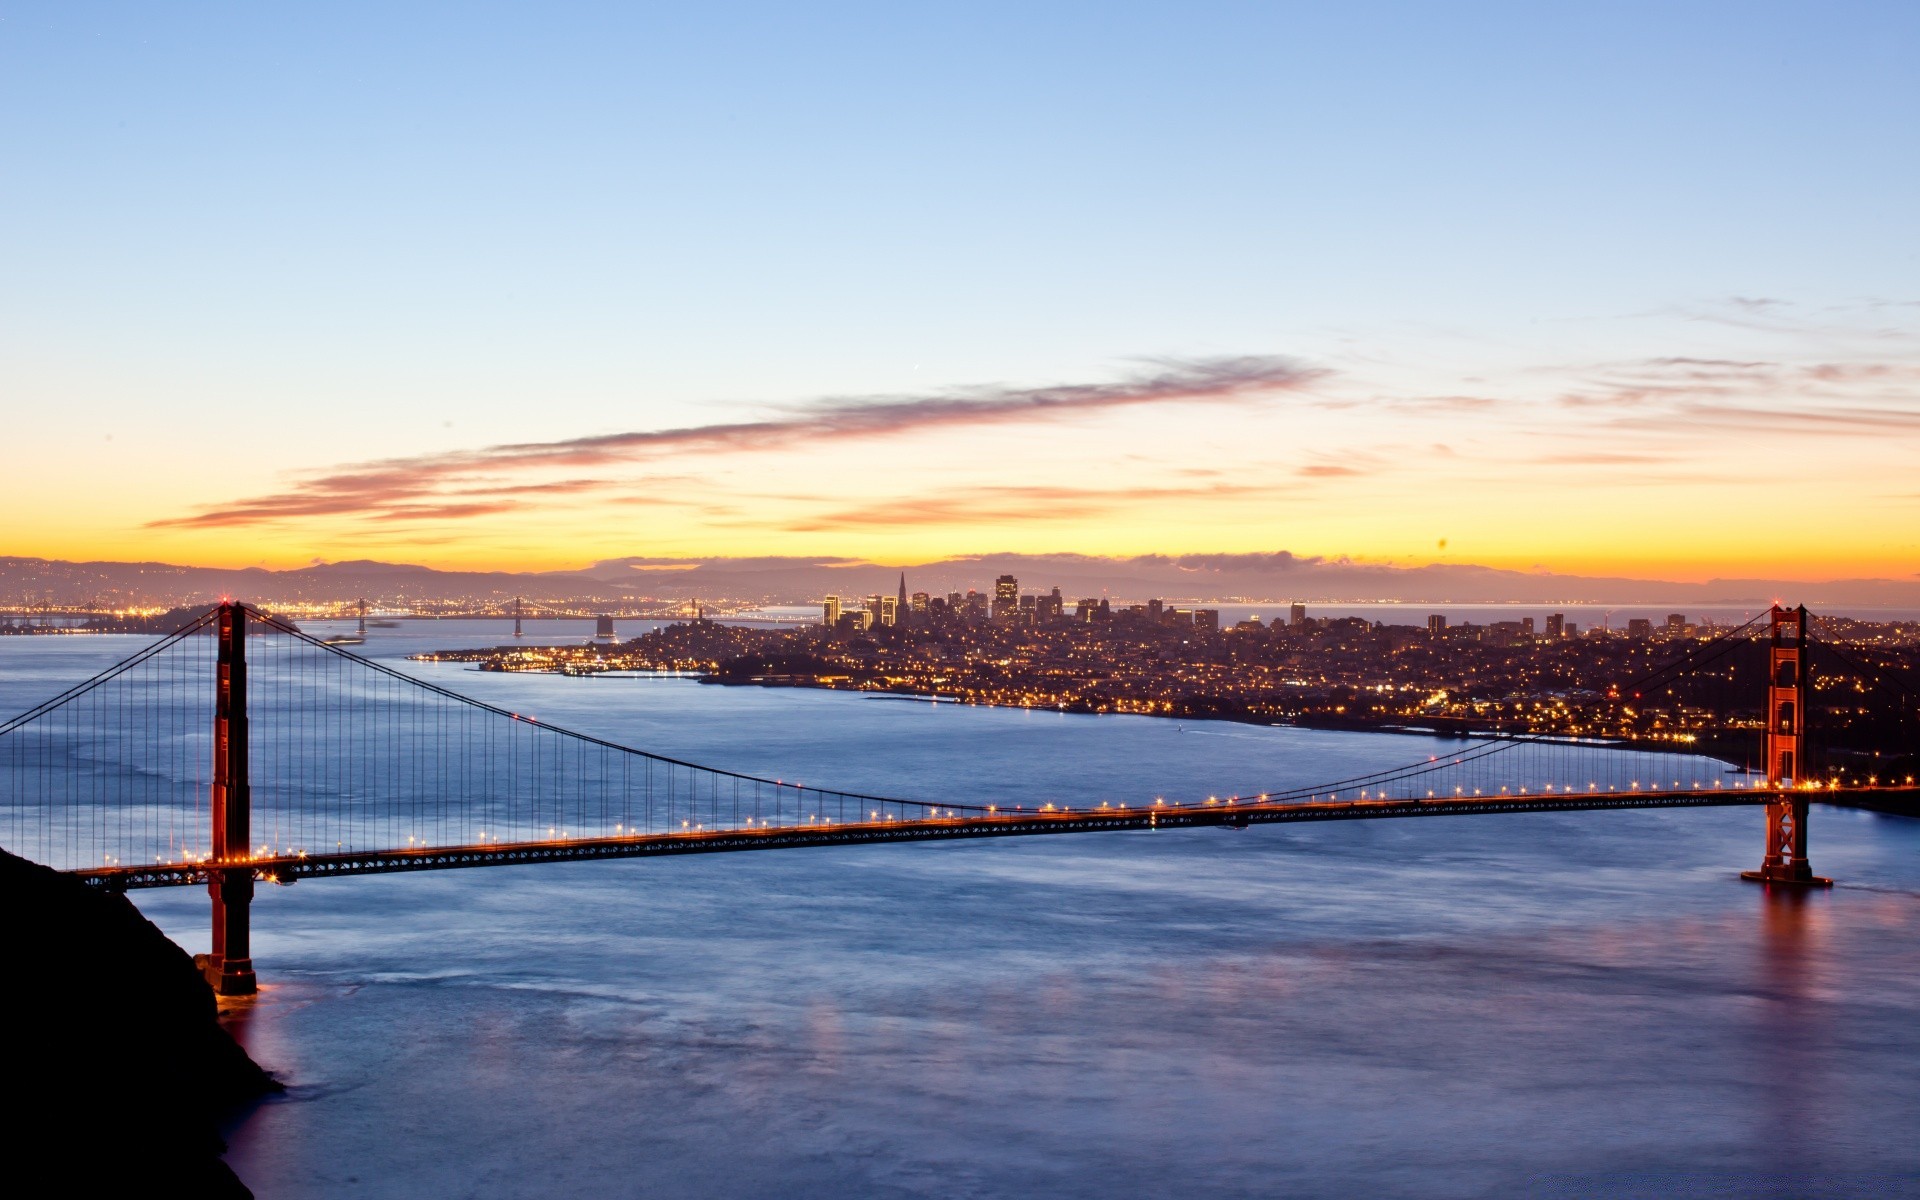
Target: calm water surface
1542 1004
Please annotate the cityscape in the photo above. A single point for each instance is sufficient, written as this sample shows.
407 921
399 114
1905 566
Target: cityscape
1037 650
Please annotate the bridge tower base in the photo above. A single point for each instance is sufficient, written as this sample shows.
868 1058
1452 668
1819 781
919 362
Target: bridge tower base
1786 857
1786 860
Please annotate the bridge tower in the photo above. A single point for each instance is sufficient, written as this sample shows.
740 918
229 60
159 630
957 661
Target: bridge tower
516 617
230 967
1786 858
363 618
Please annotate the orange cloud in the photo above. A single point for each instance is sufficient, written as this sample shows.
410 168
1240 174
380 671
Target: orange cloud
402 488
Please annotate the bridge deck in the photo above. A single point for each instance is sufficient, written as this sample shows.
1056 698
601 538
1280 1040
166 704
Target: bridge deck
1017 824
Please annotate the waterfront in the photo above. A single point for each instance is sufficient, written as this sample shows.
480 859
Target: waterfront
1557 1003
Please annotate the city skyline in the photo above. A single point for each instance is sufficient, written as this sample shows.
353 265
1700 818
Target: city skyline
27 583
1600 294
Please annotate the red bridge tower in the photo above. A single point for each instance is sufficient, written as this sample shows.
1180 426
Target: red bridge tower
1786 860
230 967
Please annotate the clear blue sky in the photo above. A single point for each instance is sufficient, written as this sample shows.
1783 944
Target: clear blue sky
448 226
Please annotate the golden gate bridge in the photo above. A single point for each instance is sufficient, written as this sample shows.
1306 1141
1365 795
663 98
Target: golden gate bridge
318 762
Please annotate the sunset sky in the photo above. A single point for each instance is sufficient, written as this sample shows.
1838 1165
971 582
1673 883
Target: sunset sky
1604 289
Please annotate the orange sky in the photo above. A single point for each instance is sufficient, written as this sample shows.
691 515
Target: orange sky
1546 294
1785 449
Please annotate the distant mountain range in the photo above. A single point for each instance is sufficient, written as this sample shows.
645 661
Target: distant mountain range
1264 578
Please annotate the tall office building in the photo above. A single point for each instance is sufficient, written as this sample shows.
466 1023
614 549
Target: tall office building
920 602
1639 627
889 611
1297 615
1006 598
900 603
1676 625
831 610
1556 626
1437 624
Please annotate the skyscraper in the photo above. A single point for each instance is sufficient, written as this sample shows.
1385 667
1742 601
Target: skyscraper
1556 626
831 610
1297 615
1006 598
1050 607
900 605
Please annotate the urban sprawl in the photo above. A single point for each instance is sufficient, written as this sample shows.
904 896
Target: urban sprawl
1152 658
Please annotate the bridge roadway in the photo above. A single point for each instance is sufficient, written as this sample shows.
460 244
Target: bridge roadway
287 870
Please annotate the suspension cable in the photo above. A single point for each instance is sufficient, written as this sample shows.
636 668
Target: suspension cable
120 668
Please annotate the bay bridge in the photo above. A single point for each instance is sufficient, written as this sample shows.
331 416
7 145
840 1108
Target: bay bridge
522 610
239 750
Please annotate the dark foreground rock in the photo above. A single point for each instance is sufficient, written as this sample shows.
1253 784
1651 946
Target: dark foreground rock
114 1069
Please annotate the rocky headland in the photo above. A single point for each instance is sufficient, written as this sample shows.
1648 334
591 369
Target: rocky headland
117 1070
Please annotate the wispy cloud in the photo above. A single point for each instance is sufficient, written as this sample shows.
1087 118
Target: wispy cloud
1013 504
1830 422
1679 393
411 488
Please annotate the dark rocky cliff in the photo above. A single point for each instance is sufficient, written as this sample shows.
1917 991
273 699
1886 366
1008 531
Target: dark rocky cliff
115 1069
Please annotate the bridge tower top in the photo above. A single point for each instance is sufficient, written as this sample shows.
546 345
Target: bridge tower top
1786 696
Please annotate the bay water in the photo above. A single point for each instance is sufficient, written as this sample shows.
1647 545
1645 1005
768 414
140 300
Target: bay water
1548 1004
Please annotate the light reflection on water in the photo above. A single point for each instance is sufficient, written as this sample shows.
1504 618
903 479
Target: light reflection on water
1558 1003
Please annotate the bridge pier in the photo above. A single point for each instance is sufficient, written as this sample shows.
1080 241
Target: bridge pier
229 969
1786 857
